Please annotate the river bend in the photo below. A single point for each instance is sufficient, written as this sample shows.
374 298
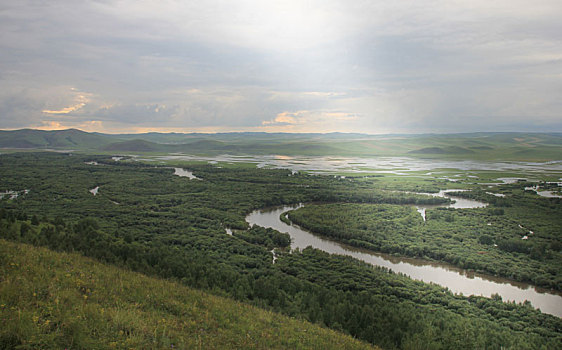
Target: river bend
455 279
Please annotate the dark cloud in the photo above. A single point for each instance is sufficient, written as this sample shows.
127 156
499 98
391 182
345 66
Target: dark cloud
395 67
19 109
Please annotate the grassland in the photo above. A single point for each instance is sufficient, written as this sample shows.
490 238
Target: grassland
54 300
479 146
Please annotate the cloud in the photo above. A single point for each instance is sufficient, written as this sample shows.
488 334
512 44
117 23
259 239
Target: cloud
327 65
91 125
80 101
283 119
324 93
312 121
65 110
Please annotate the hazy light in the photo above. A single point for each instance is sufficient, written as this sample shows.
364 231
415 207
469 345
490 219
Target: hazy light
300 66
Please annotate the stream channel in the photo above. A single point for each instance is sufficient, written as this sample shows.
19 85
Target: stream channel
457 280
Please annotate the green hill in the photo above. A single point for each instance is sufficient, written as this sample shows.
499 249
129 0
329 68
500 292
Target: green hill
446 150
133 146
53 300
482 146
58 139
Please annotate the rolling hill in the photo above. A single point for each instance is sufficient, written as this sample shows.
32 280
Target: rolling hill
58 139
483 146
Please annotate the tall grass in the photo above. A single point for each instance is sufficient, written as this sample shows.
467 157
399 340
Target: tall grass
56 300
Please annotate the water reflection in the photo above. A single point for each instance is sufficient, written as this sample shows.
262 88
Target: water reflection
95 190
185 173
456 279
395 165
458 202
547 194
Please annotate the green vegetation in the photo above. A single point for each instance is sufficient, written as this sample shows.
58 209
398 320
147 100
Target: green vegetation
147 220
266 237
484 239
481 146
54 300
60 139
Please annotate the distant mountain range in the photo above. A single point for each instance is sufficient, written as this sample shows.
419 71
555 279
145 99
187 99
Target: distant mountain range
508 146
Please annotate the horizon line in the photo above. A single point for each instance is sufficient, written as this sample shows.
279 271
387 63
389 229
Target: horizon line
284 132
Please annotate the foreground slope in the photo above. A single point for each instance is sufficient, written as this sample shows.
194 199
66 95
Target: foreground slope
58 300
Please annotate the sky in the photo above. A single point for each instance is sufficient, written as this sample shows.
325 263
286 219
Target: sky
374 67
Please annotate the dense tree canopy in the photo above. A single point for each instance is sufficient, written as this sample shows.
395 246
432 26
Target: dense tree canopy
145 218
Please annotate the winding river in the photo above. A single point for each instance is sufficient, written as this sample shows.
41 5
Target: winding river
457 203
455 279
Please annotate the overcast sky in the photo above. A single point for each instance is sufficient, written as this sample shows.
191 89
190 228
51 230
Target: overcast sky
291 65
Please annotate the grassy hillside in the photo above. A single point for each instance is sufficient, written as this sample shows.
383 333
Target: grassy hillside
56 300
133 146
482 146
58 139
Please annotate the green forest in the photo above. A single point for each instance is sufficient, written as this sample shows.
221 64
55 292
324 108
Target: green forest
482 239
145 219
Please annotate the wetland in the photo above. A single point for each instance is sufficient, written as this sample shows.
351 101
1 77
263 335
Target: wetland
380 263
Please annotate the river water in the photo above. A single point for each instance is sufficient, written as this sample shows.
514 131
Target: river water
548 194
185 173
456 279
458 203
394 165
95 190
